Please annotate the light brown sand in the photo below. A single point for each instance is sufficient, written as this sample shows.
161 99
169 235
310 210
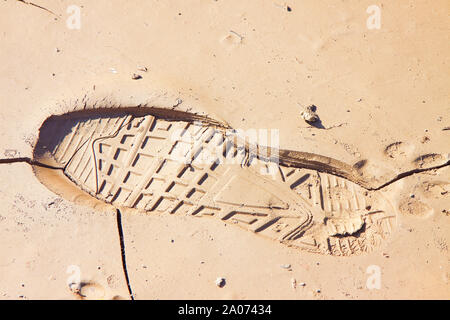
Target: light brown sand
382 95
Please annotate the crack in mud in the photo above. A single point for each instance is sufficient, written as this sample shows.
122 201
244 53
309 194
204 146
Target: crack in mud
410 173
39 7
122 251
30 161
288 158
340 169
118 213
282 161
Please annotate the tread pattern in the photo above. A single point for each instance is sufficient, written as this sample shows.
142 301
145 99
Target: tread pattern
180 167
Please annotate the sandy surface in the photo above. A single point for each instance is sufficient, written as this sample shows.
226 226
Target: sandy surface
382 96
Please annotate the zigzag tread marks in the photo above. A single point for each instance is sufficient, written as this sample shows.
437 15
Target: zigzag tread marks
153 164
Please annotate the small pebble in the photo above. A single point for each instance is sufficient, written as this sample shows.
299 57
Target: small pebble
220 282
136 76
75 287
309 114
293 283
